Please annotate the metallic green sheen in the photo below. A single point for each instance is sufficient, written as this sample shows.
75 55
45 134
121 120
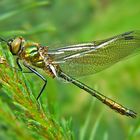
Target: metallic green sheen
33 56
31 50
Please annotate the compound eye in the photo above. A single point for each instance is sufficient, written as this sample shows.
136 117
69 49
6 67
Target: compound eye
15 45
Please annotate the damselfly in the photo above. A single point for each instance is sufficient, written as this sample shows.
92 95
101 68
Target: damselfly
77 60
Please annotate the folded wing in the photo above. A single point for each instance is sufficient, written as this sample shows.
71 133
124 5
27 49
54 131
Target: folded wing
89 58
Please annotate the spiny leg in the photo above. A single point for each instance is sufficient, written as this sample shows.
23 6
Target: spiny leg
107 101
32 70
20 68
17 61
39 75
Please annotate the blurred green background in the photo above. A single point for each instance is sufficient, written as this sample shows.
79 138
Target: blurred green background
72 21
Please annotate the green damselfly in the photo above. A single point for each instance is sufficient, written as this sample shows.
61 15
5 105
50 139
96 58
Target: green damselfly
77 60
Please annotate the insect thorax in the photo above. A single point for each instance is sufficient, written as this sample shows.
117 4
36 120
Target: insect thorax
37 56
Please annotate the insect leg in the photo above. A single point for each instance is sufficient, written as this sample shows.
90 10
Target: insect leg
18 63
20 67
39 75
107 101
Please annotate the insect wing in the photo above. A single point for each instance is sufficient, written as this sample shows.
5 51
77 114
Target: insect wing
89 58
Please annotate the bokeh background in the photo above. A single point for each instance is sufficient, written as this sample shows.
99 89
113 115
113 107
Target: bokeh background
52 23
